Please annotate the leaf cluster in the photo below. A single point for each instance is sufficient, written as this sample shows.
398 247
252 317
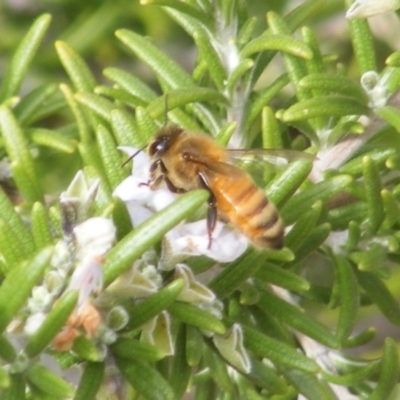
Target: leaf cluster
343 209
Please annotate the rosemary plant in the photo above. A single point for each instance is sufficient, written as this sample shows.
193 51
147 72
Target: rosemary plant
110 289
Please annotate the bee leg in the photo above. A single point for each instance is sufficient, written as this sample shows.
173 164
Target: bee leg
212 213
171 186
211 217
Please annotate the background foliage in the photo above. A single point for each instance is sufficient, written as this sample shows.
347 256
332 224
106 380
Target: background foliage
318 319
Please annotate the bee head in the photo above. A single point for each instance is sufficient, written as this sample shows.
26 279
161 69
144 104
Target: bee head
163 140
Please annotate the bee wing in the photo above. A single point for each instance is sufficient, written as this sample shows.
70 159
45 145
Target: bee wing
278 157
259 161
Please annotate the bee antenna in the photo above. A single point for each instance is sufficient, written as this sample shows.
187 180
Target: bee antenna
133 156
166 110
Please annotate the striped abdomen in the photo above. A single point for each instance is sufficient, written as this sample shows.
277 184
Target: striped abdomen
246 206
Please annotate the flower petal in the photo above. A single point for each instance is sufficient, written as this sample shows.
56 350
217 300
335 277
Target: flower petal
368 8
158 333
193 291
232 348
94 237
192 239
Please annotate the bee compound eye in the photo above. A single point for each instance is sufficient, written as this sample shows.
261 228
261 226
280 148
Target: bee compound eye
159 146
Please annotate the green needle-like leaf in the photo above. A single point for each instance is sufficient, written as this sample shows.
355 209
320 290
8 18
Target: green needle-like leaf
87 349
363 45
333 84
230 278
263 97
181 97
380 295
278 352
323 106
100 106
284 43
23 57
389 372
296 318
79 115
184 8
360 340
309 385
303 227
267 377
145 379
194 344
49 383
340 217
302 13
19 153
208 46
280 277
315 239
110 156
40 226
136 350
5 380
218 369
78 71
271 134
17 286
356 165
352 378
180 370
7 351
130 84
153 305
125 130
16 389
52 139
32 103
283 186
162 65
147 127
90 156
295 66
323 191
391 208
373 189
195 316
121 219
12 251
349 298
391 115
53 323
15 222
90 382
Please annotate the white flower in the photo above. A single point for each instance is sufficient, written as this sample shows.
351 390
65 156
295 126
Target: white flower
232 348
185 240
34 322
61 258
139 281
40 299
94 237
87 278
192 239
193 291
368 8
157 332
140 199
77 199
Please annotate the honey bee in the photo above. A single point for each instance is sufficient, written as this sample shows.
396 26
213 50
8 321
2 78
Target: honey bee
186 161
